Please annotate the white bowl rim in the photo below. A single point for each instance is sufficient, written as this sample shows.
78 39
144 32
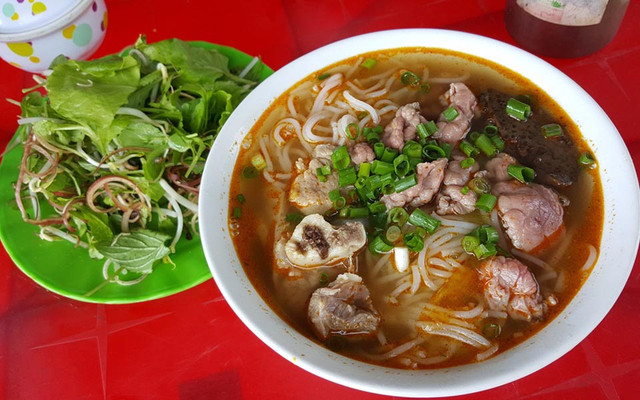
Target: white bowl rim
580 317
49 27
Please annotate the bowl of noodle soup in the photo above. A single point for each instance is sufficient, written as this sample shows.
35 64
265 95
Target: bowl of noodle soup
435 333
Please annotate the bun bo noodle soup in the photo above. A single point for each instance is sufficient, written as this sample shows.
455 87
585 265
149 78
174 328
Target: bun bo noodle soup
416 208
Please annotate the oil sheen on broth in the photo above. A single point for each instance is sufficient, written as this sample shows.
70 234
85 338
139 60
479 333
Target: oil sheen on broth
357 268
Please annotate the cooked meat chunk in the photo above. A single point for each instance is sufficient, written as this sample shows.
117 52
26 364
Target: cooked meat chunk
344 307
430 176
403 126
316 242
509 286
361 152
464 101
307 192
529 213
497 167
451 201
553 159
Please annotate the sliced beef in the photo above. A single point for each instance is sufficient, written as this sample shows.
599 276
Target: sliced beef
497 167
362 152
450 200
307 192
429 176
344 307
403 126
460 97
509 286
316 242
455 174
554 159
529 213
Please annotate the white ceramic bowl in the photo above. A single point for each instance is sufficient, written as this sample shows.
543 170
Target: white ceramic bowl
588 308
32 33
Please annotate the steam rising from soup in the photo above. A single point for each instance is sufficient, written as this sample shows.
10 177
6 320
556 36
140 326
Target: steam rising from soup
364 219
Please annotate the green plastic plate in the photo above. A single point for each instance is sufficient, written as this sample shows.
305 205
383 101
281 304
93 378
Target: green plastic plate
69 271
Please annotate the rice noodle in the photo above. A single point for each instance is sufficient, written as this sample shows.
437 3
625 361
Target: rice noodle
464 314
487 353
532 259
446 79
403 348
428 360
281 125
441 263
415 279
593 253
265 153
454 332
309 124
362 106
248 68
497 314
327 85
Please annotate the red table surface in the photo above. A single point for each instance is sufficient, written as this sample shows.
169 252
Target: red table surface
191 345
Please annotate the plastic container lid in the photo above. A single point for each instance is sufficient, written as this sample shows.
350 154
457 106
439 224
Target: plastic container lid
25 19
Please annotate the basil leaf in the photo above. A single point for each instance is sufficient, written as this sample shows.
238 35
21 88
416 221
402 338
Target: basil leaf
136 251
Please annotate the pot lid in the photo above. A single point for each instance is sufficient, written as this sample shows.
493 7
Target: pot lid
20 16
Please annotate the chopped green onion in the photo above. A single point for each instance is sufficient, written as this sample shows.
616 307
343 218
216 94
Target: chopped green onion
479 185
422 131
405 183
340 158
412 149
378 149
347 177
413 242
446 147
388 188
371 135
294 217
324 76
498 142
379 246
491 331
432 152
358 212
431 127
393 233
486 202
484 250
424 220
237 212
377 207
378 221
408 78
388 155
485 145
381 168
258 162
486 234
521 173
241 199
464 190
249 172
467 162
425 88
344 212
450 114
352 196
401 165
321 178
518 110
414 161
398 215
361 115
352 130
490 130
586 160
420 231
364 169
378 129
468 149
334 194
469 243
324 279
369 63
325 169
361 182
551 130
473 136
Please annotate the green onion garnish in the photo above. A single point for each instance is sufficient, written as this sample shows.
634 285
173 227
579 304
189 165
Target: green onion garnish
408 78
498 142
378 149
432 152
361 115
334 194
518 110
364 170
352 130
467 162
369 63
450 114
377 207
358 212
468 149
388 188
401 165
464 190
398 215
294 217
241 199
347 177
258 162
521 173
412 149
324 279
340 158
406 182
473 136
486 202
249 172
424 220
413 242
393 233
388 155
469 243
237 212
425 88
484 250
490 130
422 131
551 130
486 145
420 231
586 160
431 127
491 331
344 212
379 246
381 168
371 135
324 76
479 185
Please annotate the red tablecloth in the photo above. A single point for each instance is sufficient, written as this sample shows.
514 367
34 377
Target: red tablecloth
191 345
